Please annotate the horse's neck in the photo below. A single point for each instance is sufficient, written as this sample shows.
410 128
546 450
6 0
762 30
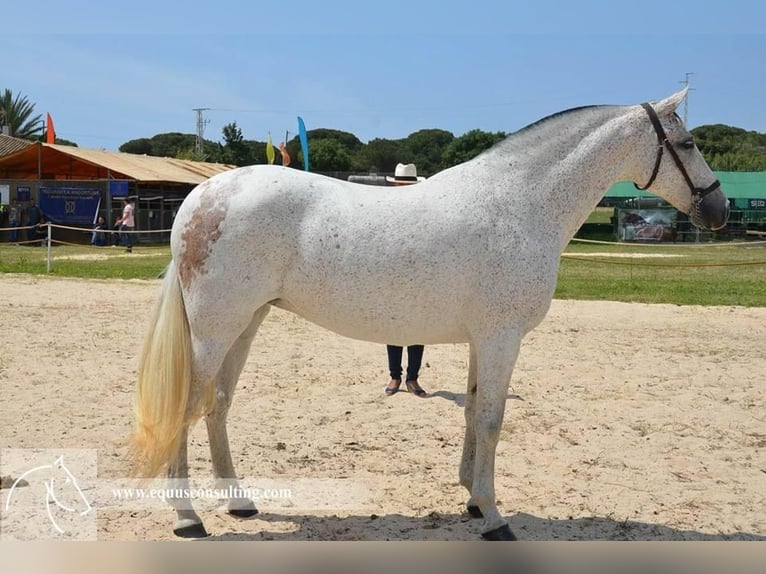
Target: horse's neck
569 168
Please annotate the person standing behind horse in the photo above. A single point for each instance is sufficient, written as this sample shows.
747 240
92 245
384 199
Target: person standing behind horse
405 174
127 224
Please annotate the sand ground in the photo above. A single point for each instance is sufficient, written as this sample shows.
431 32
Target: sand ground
623 421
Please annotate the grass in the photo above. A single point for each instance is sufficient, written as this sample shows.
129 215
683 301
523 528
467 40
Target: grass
601 215
86 262
722 274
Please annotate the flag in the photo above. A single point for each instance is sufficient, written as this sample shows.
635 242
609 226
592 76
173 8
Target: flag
285 155
50 133
304 143
269 150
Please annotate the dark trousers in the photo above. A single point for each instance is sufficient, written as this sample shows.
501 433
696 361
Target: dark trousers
414 360
126 238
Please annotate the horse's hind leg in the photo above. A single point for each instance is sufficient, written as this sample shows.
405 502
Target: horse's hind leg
188 523
226 381
212 347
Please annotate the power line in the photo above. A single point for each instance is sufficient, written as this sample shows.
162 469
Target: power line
685 82
201 123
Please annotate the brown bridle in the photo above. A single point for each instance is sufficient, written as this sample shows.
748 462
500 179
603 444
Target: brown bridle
698 193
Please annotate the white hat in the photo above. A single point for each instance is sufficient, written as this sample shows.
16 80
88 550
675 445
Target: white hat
405 174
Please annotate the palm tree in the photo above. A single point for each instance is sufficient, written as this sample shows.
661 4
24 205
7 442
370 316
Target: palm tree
16 115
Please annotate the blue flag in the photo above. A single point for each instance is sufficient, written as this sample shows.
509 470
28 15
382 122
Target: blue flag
304 143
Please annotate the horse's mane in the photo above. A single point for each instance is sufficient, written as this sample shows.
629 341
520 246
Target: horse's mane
550 121
554 116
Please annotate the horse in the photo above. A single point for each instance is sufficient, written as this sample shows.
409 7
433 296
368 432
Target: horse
470 255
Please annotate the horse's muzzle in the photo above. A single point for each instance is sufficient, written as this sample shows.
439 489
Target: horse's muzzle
712 211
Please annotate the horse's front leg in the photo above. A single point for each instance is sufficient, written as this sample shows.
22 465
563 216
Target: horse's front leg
188 523
469 440
495 359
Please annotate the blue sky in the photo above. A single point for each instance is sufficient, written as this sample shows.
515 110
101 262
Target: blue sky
376 69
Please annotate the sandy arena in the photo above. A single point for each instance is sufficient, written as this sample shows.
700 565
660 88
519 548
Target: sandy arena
623 421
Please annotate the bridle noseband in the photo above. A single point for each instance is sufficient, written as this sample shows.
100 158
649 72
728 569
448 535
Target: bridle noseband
698 193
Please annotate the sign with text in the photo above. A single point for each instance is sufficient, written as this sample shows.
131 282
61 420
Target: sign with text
70 205
118 188
23 193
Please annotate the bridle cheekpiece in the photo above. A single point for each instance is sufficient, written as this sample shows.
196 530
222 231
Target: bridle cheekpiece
698 193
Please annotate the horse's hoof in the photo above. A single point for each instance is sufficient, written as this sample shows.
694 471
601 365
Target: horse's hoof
474 511
196 530
243 512
500 533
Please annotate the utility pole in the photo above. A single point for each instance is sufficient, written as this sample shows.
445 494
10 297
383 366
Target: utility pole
685 82
201 123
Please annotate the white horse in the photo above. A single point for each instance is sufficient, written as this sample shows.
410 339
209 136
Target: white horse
469 255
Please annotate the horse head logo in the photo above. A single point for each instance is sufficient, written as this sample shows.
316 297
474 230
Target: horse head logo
62 493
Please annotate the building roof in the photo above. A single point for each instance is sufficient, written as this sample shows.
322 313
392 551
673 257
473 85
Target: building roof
10 144
53 161
735 184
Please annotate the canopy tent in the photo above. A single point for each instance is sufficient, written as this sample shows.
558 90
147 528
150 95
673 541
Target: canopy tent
72 185
57 162
737 185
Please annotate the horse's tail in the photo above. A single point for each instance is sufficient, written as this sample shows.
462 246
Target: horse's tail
163 390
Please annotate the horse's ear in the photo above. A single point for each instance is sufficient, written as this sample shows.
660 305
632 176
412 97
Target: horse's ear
669 104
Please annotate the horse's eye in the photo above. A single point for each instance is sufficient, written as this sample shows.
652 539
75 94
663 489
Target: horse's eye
688 144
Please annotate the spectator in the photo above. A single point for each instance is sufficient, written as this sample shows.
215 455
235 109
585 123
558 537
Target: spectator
13 223
33 217
405 175
127 224
98 238
41 231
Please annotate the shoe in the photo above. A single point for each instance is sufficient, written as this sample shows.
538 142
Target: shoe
415 388
393 387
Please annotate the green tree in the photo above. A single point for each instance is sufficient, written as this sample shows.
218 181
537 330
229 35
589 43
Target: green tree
257 152
381 155
142 146
468 146
329 155
235 150
347 140
190 154
728 148
161 145
426 148
16 114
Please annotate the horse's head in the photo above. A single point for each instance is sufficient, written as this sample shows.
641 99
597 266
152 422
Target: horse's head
675 169
63 489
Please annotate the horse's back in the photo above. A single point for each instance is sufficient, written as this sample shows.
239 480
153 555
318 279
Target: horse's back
370 262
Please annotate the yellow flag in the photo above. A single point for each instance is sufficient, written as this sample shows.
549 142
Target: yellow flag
270 150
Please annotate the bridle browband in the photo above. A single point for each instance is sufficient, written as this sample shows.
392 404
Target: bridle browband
698 193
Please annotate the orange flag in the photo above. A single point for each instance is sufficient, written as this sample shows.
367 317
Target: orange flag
285 155
50 133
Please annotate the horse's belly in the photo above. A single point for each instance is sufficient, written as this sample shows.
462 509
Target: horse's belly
378 323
